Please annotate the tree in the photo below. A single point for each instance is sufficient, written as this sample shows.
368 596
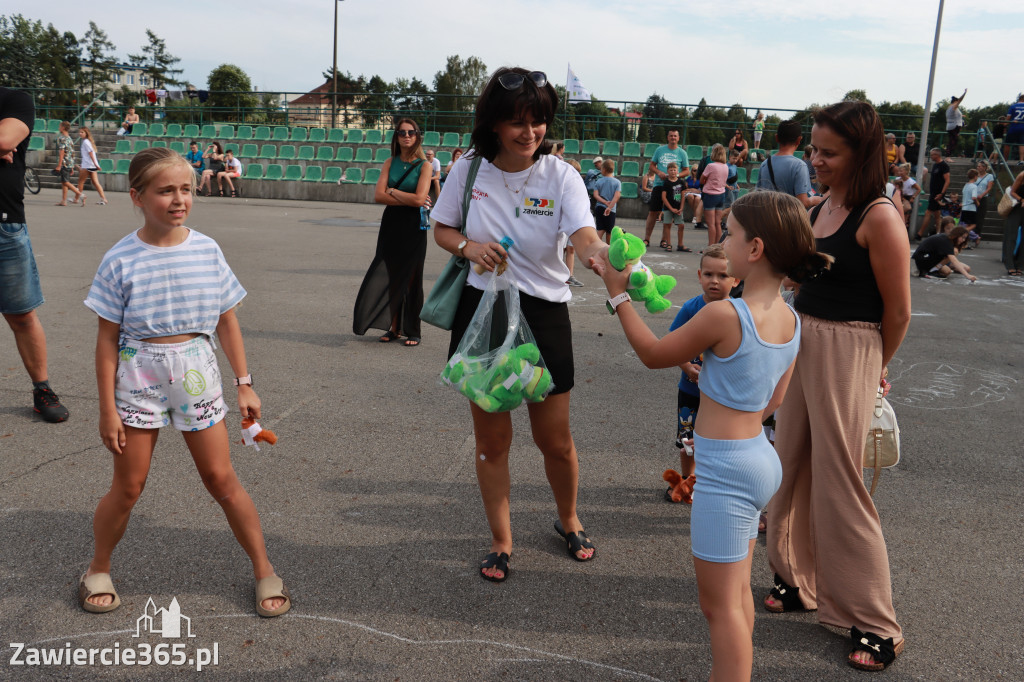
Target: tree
457 87
377 103
34 56
157 61
99 60
231 89
856 96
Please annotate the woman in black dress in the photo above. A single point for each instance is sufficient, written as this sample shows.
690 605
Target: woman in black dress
391 294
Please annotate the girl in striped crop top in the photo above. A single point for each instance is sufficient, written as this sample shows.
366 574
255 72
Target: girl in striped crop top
749 348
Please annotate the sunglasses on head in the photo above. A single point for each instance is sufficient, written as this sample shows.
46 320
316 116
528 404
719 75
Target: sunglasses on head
407 133
514 81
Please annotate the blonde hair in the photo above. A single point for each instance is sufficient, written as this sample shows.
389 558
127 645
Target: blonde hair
608 166
904 167
149 162
781 223
88 135
718 153
575 164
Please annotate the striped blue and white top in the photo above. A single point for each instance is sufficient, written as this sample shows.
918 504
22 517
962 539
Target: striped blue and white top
154 291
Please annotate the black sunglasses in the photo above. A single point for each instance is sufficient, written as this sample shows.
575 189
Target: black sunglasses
514 81
407 133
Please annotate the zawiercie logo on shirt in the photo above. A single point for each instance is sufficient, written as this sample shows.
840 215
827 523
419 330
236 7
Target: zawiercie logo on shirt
541 207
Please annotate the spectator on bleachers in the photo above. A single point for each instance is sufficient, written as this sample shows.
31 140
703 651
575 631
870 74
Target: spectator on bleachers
664 155
647 185
986 181
1015 130
758 129
982 139
559 150
909 189
435 173
232 169
909 151
954 124
455 157
998 131
66 163
892 152
938 183
713 192
90 167
195 158
130 119
1013 248
783 172
738 144
214 158
692 197
731 184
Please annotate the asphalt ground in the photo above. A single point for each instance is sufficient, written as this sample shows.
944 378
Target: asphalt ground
372 514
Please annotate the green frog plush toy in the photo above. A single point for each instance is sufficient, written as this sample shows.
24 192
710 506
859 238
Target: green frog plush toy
626 249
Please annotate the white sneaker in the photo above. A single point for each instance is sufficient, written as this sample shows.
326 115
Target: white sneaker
573 282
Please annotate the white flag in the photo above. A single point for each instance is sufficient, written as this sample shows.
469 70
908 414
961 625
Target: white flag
574 88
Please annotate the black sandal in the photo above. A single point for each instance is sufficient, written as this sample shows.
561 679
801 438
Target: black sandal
221 192
233 195
575 542
412 341
389 337
788 598
882 650
685 249
498 561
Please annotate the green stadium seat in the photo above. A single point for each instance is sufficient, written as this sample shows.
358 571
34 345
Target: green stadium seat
36 144
123 147
139 129
274 172
757 155
591 148
53 126
292 173
140 145
353 175
611 148
344 155
313 174
450 140
371 175
694 152
374 137
755 175
444 157
332 174
649 149
364 155
324 153
431 139
243 133
382 154
40 126
254 171
741 176
922 206
280 134
230 147
250 150
355 136
631 149
306 152
156 130
226 132
317 135
572 146
388 136
173 130
106 166
177 146
191 131
466 139
630 169
799 154
268 151
209 132
286 152
261 134
629 190
299 134
122 166
741 192
336 135
159 143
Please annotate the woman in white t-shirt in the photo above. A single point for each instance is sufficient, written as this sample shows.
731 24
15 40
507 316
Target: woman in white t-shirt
90 167
522 192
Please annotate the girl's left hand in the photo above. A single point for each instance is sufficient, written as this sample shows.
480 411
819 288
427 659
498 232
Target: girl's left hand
616 281
248 402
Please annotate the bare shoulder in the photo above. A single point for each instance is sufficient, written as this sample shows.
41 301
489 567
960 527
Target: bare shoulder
881 222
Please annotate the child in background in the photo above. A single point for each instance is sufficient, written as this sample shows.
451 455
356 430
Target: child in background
161 293
758 130
672 198
749 347
66 164
949 206
730 183
715 282
607 191
968 208
692 196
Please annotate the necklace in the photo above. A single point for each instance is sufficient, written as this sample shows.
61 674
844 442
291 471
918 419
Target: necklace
831 203
515 192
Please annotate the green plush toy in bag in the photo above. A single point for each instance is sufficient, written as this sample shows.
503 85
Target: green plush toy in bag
498 365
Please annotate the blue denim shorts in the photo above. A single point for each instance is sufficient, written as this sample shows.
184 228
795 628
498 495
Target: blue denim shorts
19 279
712 201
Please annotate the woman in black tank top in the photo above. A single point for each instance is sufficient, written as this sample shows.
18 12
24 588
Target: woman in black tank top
739 145
825 542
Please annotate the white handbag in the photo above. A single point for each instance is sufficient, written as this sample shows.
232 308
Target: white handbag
882 445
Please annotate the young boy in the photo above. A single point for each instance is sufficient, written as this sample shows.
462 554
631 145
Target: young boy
713 275
968 207
672 199
66 164
731 184
692 197
607 190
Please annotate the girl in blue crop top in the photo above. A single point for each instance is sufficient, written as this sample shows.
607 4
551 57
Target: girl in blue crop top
749 347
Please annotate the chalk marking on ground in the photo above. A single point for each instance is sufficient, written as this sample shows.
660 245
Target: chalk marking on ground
950 387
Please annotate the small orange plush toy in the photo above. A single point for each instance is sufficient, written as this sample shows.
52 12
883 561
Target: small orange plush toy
253 433
680 489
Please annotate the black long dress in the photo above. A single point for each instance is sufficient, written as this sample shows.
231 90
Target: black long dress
393 285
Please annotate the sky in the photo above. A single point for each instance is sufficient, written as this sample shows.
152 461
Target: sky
785 55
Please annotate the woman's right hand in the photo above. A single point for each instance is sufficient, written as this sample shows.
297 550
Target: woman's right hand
486 254
112 432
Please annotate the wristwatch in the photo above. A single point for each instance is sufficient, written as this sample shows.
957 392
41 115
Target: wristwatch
615 301
460 247
244 381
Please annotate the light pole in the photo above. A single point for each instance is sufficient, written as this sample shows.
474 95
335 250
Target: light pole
334 71
923 151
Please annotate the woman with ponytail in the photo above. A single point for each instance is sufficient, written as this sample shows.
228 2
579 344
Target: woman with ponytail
825 541
749 346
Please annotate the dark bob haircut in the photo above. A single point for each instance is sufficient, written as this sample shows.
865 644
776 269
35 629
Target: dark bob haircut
861 129
496 104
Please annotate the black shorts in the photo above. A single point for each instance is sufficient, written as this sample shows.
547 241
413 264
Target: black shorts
1014 137
603 223
968 217
549 323
934 205
655 204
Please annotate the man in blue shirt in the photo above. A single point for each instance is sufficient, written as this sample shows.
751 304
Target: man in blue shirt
195 158
783 172
663 156
1015 130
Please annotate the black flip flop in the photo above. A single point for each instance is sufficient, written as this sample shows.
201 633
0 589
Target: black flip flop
498 561
685 249
389 337
412 341
575 541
